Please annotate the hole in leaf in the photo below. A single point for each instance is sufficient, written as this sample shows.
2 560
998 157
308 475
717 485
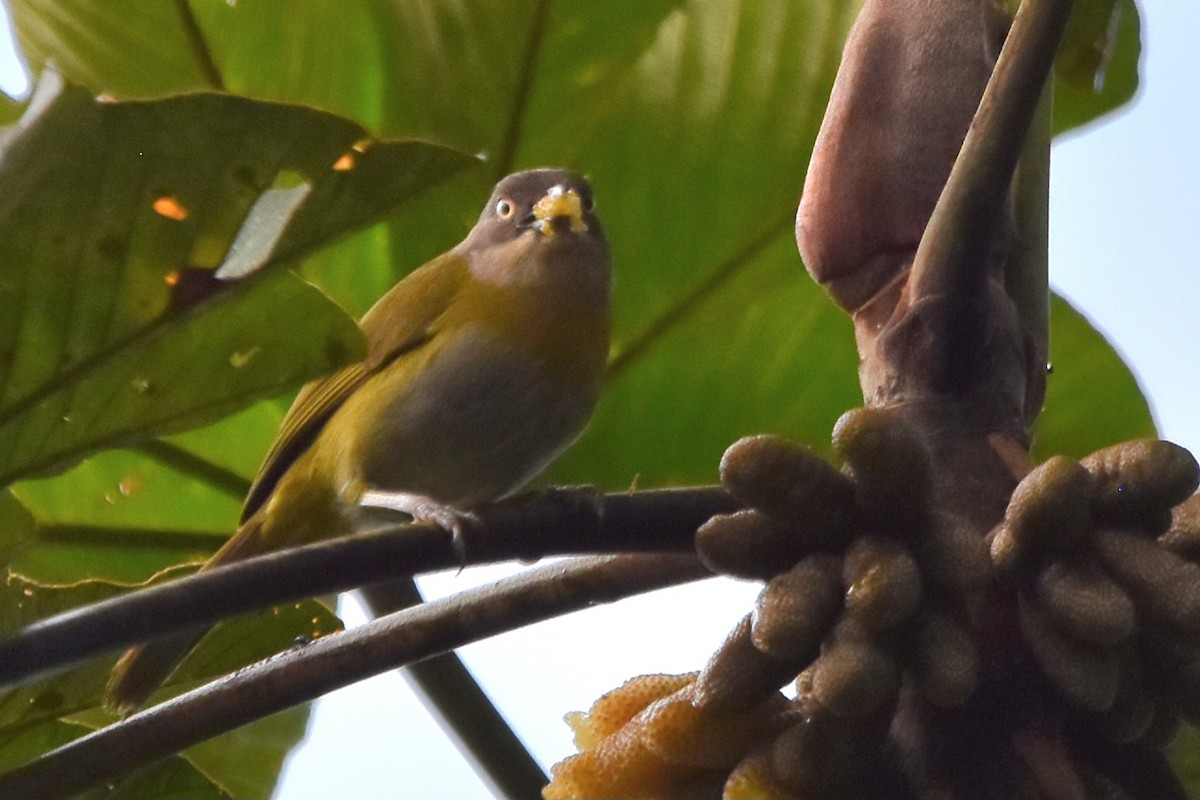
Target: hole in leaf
190 286
169 207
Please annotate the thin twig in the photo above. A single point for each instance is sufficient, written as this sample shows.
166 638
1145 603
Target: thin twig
1028 269
307 672
552 522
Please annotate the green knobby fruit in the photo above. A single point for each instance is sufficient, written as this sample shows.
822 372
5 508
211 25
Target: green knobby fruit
1085 603
1085 675
1183 535
946 660
854 677
883 584
889 463
791 484
1140 479
682 734
952 554
796 610
1049 511
1132 713
820 756
739 674
748 544
1164 587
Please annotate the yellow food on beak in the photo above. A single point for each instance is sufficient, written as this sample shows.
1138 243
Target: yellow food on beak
559 205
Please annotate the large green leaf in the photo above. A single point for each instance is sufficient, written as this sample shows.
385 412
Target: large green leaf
114 218
1097 67
769 352
53 711
123 515
106 349
119 516
1083 365
703 143
1185 757
99 49
695 120
330 54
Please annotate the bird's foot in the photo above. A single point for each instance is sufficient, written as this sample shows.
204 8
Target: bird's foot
425 509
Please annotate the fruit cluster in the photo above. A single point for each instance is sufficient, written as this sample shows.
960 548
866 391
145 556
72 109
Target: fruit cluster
874 591
1102 556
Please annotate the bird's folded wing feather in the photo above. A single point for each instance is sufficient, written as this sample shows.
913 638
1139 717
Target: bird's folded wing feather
402 321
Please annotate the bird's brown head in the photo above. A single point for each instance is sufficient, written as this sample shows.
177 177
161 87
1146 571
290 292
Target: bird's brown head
537 221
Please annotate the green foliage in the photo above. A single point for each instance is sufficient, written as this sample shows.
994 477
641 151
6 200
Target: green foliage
120 214
1097 68
694 118
1070 425
244 763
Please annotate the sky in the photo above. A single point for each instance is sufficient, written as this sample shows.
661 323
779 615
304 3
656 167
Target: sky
1123 219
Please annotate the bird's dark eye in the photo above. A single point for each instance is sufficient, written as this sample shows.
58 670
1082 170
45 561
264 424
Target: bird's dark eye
504 209
589 204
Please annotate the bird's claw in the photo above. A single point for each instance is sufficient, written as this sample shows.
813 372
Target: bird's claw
456 522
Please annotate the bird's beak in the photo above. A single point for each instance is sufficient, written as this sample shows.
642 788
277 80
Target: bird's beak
557 208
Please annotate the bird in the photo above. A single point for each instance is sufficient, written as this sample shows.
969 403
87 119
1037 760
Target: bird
481 367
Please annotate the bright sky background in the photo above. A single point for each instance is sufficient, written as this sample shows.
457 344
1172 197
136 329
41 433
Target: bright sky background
1123 221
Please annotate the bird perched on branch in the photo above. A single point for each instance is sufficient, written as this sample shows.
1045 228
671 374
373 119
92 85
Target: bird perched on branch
481 367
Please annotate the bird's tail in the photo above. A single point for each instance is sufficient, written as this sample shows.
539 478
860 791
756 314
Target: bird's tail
143 668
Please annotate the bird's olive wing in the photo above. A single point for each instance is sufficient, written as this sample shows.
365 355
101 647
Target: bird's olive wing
400 322
313 407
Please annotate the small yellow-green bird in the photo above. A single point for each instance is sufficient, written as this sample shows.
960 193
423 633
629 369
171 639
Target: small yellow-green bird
482 366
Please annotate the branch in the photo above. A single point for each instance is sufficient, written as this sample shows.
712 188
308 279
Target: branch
463 709
552 522
1027 270
960 234
304 673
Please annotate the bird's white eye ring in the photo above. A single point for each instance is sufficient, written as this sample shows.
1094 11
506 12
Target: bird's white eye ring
504 209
